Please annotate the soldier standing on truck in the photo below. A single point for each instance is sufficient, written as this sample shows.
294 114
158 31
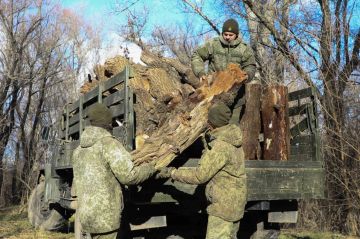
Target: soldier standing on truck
100 165
222 166
219 52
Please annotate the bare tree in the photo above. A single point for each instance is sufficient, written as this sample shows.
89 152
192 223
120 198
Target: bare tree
321 43
318 42
44 48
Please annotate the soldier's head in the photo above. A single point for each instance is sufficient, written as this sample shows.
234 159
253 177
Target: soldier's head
219 115
230 30
100 116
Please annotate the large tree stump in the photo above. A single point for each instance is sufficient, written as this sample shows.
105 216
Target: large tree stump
250 123
187 122
275 122
170 114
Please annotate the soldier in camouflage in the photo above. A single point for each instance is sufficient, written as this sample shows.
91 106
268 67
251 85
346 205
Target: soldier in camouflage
219 52
100 165
222 167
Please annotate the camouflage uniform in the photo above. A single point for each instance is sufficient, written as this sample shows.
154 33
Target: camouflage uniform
220 53
99 164
222 166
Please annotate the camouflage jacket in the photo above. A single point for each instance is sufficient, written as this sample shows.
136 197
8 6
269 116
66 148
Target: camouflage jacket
220 53
222 166
99 164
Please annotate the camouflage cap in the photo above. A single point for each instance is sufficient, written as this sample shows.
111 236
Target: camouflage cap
231 25
100 115
219 115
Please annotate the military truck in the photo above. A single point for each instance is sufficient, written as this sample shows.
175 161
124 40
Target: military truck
163 208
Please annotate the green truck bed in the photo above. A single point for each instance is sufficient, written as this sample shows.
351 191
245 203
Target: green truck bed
298 178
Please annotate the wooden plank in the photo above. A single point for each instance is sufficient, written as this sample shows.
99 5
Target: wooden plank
281 164
303 139
303 148
262 184
300 127
298 110
115 80
117 110
94 93
268 184
300 94
81 113
74 119
114 98
67 122
74 129
91 94
301 157
73 106
130 122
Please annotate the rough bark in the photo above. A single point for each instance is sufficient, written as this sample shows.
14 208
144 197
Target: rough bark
251 122
170 115
275 119
188 120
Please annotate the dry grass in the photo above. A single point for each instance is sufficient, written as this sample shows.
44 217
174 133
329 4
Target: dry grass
14 225
292 234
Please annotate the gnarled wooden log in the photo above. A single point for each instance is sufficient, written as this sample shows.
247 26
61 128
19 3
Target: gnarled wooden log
167 120
275 122
250 123
188 121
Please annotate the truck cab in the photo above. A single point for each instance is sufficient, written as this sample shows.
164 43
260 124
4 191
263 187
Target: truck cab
164 208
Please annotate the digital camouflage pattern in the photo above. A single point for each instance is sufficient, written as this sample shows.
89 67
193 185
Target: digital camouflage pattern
220 53
99 164
222 166
219 228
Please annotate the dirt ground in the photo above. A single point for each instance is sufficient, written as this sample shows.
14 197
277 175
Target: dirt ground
14 225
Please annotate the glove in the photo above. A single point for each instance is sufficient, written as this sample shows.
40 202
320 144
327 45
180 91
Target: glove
164 172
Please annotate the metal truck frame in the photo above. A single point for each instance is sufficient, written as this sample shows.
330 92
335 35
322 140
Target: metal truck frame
173 208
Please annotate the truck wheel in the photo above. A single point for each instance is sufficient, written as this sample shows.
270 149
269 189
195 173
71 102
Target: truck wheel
40 216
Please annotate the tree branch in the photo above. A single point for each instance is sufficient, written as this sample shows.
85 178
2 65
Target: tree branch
200 13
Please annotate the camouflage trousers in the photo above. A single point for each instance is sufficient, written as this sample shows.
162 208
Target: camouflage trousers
219 228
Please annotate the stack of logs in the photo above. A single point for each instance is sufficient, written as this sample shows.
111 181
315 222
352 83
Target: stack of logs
171 108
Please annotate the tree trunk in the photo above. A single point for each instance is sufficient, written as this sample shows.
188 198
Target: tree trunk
188 121
170 115
251 122
275 122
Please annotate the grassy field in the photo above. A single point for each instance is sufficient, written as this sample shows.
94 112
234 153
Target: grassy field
14 225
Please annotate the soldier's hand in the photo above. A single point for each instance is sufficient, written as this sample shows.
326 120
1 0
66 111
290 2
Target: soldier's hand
203 79
164 172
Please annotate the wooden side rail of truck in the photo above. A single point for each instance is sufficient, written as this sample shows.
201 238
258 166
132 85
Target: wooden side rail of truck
274 186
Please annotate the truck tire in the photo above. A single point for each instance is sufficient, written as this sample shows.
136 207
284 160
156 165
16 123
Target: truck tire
39 215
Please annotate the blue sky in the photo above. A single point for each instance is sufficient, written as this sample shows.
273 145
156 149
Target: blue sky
164 12
161 12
